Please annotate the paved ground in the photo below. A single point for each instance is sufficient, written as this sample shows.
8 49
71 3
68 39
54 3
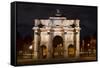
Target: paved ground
59 60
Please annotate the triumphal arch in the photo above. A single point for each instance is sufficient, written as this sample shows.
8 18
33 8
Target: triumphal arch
56 37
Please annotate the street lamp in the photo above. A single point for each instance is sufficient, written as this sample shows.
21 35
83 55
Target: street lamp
30 48
88 48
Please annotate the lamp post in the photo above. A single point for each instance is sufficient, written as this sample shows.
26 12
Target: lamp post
30 48
88 48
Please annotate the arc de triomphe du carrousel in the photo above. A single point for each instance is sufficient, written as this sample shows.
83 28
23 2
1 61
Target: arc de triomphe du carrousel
56 37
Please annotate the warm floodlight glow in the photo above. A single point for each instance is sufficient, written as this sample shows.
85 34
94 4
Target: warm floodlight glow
30 47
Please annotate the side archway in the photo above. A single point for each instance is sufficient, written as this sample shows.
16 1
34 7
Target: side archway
71 51
43 52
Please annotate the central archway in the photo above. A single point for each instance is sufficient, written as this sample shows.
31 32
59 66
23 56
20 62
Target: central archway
58 47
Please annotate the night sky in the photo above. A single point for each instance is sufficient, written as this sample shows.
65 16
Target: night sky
27 12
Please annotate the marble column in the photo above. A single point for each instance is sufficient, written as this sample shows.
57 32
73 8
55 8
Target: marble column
77 38
65 44
36 37
49 44
77 44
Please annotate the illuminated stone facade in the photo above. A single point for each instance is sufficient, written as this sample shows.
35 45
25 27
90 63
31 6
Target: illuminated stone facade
66 32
